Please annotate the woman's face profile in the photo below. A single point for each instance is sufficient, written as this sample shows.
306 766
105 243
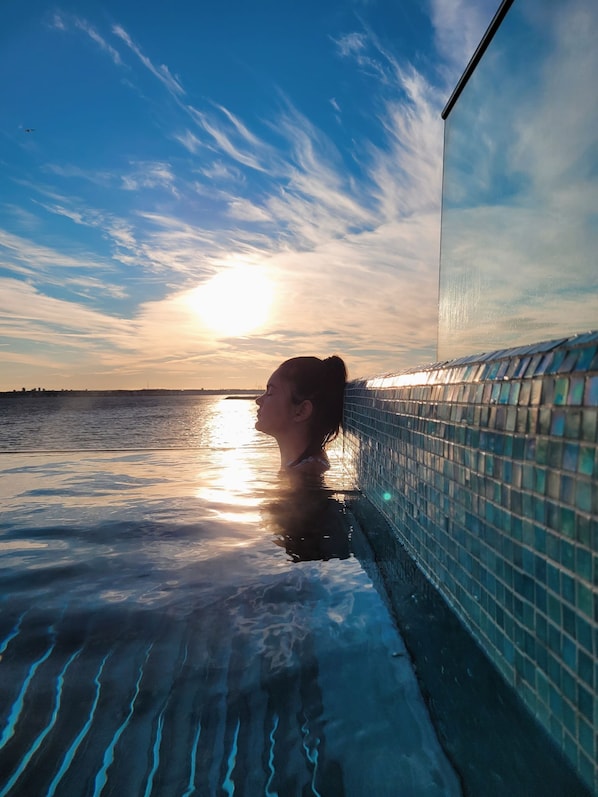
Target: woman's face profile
275 407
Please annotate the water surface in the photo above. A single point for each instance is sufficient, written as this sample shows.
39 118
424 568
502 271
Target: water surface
166 628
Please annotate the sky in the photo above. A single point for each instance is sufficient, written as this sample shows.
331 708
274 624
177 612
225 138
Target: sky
193 192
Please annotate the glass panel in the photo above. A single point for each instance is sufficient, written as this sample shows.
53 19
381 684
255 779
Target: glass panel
520 194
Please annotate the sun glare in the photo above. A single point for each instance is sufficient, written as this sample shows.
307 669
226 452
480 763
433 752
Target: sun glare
234 302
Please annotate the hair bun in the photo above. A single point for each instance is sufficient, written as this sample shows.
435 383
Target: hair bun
336 366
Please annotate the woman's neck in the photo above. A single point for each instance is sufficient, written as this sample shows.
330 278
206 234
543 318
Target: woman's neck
292 448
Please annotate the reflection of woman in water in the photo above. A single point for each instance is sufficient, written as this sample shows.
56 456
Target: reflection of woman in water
302 409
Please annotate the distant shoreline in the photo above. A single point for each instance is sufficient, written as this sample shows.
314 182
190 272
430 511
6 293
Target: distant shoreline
231 393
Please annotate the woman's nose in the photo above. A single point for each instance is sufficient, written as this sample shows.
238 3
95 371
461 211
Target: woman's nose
259 400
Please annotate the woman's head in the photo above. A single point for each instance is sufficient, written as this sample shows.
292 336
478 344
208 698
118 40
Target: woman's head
304 402
322 383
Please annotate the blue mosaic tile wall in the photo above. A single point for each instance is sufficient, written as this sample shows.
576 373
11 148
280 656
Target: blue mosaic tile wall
487 468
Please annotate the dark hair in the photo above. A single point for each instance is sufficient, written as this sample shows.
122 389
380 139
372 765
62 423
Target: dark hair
323 383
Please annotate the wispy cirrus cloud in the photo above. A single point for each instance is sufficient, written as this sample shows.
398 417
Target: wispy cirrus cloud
64 22
227 136
458 27
161 72
93 34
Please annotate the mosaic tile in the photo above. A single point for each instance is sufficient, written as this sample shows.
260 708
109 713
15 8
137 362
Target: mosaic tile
576 391
573 424
591 391
570 456
557 423
584 495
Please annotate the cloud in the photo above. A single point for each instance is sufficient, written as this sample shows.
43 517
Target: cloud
118 230
68 171
95 36
29 314
363 50
149 174
63 22
228 137
459 26
162 72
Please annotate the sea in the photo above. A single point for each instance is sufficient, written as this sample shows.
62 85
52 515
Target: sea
177 620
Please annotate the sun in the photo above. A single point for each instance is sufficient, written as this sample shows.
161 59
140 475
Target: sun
234 302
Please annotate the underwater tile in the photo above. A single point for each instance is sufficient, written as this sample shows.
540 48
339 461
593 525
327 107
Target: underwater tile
554 628
568 590
553 573
540 539
585 701
569 686
585 599
569 652
584 636
568 561
586 741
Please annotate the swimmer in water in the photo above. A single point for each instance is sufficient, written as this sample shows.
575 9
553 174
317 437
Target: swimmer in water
302 409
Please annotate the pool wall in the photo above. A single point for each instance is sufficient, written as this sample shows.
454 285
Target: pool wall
486 468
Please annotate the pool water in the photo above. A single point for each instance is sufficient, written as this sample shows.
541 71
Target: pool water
166 628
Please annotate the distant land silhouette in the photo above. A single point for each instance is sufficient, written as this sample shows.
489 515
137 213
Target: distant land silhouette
41 392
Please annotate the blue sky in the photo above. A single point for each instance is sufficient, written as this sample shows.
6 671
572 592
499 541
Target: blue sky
209 188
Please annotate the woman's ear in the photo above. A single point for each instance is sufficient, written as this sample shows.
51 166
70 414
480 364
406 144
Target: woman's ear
303 411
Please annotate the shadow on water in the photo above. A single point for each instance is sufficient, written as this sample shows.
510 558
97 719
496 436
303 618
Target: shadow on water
309 521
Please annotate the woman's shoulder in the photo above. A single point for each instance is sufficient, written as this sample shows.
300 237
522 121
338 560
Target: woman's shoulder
315 463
